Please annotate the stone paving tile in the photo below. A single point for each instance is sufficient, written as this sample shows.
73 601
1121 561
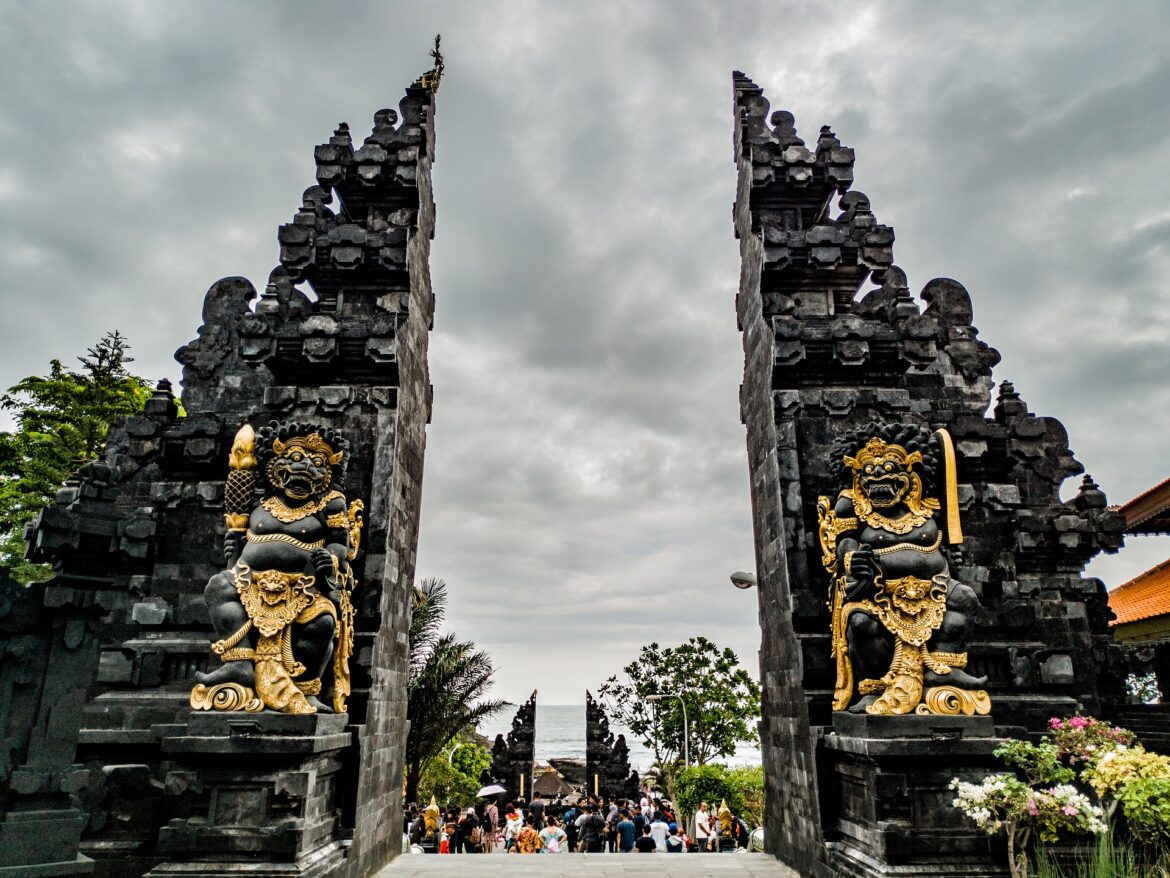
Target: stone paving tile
594 866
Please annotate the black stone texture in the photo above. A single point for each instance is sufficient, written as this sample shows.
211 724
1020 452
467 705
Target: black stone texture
95 712
833 340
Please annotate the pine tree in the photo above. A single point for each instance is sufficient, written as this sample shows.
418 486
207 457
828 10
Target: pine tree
61 423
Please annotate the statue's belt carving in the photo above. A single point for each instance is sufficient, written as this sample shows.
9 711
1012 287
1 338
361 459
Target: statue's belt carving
274 600
912 547
254 537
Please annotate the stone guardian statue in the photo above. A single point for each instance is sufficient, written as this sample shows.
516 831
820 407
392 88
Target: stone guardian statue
900 622
285 596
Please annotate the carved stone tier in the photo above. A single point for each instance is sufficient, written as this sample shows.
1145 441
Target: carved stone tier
835 340
886 796
260 795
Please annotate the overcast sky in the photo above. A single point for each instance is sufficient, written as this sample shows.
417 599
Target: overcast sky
586 480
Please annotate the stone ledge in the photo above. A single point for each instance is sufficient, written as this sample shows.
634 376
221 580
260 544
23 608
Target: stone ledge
863 725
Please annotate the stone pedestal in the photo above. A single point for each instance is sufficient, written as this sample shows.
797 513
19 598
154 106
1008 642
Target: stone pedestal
260 791
42 843
886 797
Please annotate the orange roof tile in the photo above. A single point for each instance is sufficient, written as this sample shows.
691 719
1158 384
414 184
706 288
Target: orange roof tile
1148 505
1144 596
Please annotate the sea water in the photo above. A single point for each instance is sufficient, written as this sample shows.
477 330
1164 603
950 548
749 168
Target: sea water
560 732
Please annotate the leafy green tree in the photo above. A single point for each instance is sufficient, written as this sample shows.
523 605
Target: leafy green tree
712 783
448 677
456 781
722 700
749 780
61 423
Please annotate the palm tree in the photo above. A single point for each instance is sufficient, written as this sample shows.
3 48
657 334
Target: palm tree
447 678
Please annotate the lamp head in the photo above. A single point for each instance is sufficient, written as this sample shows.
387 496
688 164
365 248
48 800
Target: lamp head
743 579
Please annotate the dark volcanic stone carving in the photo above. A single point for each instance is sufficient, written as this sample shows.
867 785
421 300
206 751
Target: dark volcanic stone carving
513 757
900 621
607 759
337 338
834 340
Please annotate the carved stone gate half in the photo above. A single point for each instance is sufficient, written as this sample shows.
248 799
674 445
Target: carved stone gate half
836 346
109 762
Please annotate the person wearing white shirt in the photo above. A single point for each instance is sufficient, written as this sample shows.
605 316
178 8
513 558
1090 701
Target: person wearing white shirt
702 827
658 831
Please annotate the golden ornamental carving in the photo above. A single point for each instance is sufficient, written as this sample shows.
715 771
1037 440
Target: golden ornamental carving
953 701
281 511
225 696
904 587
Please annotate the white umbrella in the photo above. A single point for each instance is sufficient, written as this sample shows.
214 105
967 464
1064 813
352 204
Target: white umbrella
491 790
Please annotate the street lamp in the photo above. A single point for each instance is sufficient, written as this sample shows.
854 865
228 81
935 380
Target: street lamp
686 728
451 755
743 579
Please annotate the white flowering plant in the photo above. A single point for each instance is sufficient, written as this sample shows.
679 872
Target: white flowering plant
1071 784
1003 801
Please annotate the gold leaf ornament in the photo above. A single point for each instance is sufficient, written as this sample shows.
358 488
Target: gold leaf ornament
224 697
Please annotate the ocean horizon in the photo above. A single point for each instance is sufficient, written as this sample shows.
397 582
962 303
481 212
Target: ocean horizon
560 733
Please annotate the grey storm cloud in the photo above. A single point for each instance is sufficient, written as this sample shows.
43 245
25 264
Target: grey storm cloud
586 488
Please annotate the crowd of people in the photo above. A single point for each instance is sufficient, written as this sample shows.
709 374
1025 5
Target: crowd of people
592 826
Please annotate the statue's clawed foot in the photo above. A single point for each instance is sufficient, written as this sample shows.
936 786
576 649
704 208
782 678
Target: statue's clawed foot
956 677
241 671
863 703
316 702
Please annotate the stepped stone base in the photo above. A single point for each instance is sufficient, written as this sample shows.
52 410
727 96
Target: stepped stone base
886 797
262 794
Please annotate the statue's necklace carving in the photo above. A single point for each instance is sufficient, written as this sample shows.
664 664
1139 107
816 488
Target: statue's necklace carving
918 513
282 512
903 524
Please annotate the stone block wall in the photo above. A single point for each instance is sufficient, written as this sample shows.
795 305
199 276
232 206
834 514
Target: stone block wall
824 354
338 338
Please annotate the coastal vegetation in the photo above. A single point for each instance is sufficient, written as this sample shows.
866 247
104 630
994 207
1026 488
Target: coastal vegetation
445 695
708 704
741 787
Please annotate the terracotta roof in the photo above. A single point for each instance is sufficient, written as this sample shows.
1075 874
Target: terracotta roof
1145 513
1143 597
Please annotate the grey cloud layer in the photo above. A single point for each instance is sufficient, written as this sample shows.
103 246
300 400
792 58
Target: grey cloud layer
586 487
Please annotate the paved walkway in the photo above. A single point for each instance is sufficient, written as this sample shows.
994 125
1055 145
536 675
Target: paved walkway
599 865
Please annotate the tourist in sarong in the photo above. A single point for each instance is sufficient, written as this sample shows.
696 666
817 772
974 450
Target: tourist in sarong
491 825
527 839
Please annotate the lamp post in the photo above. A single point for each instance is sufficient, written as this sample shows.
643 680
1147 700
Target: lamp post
686 728
451 755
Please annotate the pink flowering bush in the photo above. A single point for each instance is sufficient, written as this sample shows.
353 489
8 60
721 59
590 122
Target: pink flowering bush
1083 739
1050 796
1003 801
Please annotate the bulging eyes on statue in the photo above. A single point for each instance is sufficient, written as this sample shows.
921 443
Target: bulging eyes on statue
299 477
